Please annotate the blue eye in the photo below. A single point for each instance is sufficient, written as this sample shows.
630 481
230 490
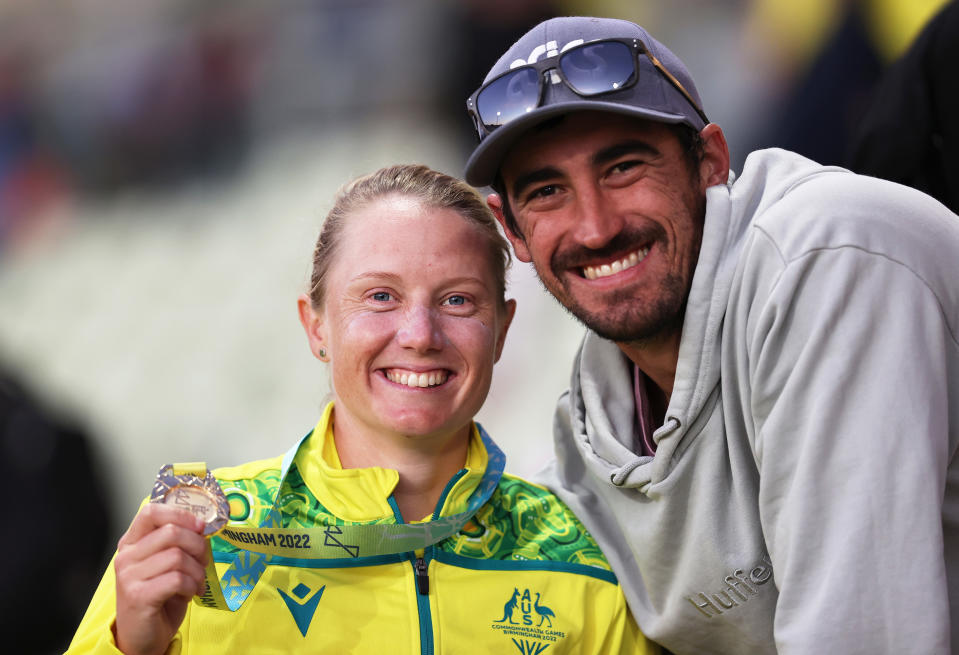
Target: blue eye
456 301
382 296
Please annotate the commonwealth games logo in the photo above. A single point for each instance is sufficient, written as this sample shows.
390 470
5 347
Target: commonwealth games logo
528 621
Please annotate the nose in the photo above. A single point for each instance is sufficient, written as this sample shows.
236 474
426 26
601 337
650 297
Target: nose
420 330
597 220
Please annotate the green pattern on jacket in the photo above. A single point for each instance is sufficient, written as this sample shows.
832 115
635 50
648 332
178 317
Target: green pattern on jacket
521 521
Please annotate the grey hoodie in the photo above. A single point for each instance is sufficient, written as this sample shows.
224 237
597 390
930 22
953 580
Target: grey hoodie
804 494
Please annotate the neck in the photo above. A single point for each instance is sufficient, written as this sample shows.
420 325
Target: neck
425 464
419 490
656 358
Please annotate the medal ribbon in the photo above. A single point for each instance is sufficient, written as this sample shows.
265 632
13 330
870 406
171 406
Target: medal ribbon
259 545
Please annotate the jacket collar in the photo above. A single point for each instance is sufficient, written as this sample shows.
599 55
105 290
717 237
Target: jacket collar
363 494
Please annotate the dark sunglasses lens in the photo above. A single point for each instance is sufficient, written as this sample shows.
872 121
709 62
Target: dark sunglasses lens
598 67
510 96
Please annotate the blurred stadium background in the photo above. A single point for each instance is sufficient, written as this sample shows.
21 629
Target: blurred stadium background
165 167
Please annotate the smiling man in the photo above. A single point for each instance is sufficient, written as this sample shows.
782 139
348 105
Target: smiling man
763 418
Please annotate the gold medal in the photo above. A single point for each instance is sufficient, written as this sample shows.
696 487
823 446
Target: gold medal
179 485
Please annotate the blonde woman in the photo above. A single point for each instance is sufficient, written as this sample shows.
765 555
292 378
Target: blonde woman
407 307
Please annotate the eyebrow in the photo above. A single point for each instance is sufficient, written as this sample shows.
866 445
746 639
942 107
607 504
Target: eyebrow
392 277
613 152
604 156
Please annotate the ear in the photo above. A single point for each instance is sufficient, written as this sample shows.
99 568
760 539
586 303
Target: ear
714 169
314 324
504 327
495 203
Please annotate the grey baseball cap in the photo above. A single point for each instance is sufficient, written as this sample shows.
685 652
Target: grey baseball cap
652 97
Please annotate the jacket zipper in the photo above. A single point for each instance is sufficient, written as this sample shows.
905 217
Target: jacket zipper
422 576
421 563
420 559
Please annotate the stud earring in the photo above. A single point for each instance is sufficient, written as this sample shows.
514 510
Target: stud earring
322 352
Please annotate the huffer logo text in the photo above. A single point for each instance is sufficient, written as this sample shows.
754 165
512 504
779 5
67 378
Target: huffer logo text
740 587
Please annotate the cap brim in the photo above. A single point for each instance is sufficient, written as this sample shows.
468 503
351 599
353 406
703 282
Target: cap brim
483 165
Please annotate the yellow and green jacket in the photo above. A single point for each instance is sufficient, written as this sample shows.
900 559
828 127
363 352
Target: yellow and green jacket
522 576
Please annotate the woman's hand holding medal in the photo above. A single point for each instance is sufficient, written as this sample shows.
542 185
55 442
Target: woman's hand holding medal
159 567
161 559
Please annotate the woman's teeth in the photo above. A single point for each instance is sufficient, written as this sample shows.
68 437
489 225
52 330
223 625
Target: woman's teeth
605 270
412 379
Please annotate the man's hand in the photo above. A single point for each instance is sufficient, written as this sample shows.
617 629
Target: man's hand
159 568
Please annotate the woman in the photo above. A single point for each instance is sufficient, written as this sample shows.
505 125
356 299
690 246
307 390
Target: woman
407 307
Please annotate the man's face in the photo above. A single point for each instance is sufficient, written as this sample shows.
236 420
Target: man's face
612 218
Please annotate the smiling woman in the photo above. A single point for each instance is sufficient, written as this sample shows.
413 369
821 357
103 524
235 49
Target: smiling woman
411 316
394 510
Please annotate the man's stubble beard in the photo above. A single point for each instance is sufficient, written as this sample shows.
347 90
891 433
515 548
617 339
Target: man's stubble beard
625 320
631 324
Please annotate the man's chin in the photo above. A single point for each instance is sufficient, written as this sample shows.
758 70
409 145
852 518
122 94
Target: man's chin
623 317
630 332
652 325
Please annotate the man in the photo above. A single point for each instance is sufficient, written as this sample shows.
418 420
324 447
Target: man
762 421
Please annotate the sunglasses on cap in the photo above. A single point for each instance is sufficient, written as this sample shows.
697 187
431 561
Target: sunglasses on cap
588 69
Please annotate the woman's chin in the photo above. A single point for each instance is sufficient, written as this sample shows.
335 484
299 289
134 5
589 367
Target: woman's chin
428 427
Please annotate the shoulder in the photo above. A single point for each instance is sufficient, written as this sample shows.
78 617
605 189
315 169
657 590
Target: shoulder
801 216
809 207
250 488
525 521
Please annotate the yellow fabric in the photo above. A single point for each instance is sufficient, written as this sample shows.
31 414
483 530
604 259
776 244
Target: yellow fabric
362 494
473 605
358 494
373 610
582 617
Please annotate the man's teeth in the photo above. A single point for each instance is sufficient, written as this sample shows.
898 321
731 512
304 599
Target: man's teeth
411 379
593 272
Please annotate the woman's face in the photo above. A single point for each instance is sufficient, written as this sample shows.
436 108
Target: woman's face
411 321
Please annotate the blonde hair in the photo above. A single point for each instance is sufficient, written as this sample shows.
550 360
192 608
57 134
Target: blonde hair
431 188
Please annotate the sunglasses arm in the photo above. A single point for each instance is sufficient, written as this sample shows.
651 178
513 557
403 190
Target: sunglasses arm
677 84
